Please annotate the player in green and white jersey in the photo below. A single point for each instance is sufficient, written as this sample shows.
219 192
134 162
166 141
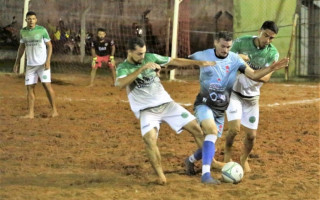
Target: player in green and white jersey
243 109
35 41
149 101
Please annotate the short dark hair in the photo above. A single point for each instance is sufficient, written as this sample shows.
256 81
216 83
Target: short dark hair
135 41
101 29
227 36
271 25
31 13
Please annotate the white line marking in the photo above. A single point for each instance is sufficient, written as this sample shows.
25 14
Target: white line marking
306 101
307 86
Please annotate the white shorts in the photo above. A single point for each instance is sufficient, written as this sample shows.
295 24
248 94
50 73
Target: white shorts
172 113
33 72
246 109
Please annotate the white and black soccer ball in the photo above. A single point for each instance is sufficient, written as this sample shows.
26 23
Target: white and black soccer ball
232 172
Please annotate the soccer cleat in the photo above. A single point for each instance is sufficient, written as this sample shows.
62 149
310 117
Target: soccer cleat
189 167
207 179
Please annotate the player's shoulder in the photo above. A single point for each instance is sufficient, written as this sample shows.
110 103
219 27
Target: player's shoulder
39 27
234 57
123 64
272 48
244 38
204 52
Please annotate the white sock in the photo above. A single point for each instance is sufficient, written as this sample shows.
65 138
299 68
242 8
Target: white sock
205 169
192 159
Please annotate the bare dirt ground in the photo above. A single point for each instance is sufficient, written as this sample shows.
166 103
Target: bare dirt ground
94 149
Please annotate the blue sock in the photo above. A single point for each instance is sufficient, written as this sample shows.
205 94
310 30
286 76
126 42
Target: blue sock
198 154
208 151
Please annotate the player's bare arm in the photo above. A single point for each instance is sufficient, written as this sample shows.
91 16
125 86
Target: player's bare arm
189 62
244 57
49 53
123 82
113 50
257 74
21 50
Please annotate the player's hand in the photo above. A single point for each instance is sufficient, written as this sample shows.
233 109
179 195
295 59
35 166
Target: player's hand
47 66
153 66
94 61
15 68
244 57
284 62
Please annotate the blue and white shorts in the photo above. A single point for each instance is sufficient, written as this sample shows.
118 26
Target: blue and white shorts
203 112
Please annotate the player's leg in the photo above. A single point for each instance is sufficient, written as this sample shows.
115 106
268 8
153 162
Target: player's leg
51 97
248 142
233 130
208 150
150 140
150 126
113 72
45 77
194 129
234 114
94 66
31 79
31 98
250 121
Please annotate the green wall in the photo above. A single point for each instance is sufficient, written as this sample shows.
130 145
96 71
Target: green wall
250 14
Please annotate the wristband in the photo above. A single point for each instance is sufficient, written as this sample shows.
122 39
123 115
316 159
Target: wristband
94 59
111 57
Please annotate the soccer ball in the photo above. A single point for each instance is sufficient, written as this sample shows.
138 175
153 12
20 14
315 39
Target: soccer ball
232 172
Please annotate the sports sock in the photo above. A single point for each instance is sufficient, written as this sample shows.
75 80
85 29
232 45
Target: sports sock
197 155
208 151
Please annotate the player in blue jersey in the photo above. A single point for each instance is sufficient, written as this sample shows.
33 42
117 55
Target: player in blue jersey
215 88
150 102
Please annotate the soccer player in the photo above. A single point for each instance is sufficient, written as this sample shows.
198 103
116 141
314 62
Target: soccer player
150 102
215 88
36 42
244 101
102 51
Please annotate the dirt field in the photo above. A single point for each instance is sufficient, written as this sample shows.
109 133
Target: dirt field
94 150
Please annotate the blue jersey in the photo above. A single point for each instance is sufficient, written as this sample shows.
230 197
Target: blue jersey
216 81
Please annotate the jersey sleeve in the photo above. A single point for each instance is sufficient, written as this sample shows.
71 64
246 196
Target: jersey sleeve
161 60
112 43
121 71
273 57
236 46
46 36
240 63
195 56
21 38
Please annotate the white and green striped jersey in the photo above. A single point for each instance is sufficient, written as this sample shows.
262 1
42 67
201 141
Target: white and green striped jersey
146 91
259 58
34 40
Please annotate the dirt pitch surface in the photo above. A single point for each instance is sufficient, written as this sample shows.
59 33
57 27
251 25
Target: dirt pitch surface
94 149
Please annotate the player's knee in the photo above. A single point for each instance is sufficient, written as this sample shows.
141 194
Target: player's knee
193 128
150 139
232 132
251 137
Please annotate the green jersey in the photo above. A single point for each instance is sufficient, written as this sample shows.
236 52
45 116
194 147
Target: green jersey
259 58
146 91
34 40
